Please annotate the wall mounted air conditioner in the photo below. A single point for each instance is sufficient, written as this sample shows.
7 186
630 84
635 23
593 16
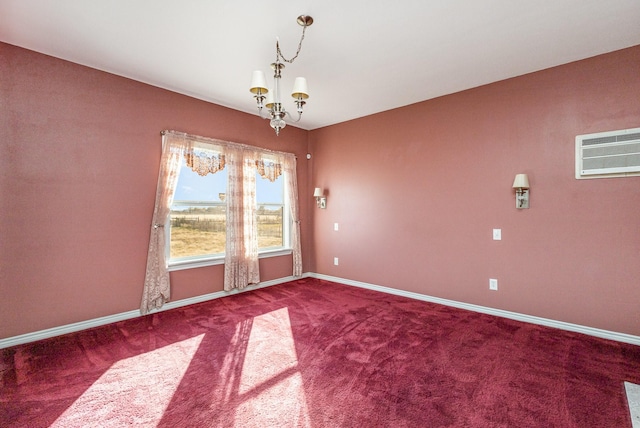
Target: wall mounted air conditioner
608 154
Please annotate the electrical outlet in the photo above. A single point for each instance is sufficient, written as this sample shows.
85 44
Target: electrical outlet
497 234
335 226
493 284
335 261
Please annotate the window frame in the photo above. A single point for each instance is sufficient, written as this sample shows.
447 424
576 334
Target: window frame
191 262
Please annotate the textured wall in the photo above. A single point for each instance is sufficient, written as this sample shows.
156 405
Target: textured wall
79 157
417 191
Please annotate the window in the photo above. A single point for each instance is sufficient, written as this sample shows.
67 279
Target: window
197 221
192 207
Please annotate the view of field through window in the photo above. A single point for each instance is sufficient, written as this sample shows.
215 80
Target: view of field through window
198 214
199 231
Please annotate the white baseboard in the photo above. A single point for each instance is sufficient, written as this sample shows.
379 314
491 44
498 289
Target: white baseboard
96 322
605 334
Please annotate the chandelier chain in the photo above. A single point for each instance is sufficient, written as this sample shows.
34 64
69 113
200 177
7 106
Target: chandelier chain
279 52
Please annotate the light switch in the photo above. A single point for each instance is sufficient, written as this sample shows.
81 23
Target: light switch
335 226
497 234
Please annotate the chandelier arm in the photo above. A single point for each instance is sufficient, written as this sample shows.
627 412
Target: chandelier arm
294 120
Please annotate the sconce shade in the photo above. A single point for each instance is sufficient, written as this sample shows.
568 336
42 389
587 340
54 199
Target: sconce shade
317 193
258 82
300 89
521 181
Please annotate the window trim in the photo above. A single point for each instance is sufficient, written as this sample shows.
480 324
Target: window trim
219 260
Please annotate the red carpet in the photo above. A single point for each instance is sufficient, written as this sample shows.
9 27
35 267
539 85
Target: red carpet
312 353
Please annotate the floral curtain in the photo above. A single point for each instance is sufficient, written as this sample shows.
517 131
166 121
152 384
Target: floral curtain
270 166
269 170
203 163
289 163
156 281
241 266
241 251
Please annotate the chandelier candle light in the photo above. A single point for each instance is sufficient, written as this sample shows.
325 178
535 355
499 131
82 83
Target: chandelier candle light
300 92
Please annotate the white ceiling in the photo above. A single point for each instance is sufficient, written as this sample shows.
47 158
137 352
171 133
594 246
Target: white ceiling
359 57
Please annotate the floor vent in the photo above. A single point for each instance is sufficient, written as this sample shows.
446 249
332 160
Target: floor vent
608 154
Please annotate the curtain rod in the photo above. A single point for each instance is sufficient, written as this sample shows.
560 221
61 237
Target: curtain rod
200 138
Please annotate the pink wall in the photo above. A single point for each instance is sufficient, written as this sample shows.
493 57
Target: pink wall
79 158
417 191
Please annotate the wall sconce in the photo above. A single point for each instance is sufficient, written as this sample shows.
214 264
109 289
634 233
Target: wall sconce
321 200
521 184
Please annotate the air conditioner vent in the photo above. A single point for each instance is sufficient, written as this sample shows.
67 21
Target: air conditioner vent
611 139
608 154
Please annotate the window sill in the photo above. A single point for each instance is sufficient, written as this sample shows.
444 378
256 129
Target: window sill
219 260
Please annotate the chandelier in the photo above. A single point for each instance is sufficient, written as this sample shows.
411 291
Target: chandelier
271 99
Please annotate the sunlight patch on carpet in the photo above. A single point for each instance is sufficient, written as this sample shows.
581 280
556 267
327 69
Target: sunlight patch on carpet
633 398
271 387
133 391
270 350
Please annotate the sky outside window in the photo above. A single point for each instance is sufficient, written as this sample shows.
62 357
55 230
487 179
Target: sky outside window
194 187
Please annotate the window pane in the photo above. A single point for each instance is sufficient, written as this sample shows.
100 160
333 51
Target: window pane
270 222
268 192
198 214
197 231
270 199
194 187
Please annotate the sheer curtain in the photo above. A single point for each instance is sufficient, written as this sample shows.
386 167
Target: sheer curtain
241 266
241 253
289 164
241 248
156 289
